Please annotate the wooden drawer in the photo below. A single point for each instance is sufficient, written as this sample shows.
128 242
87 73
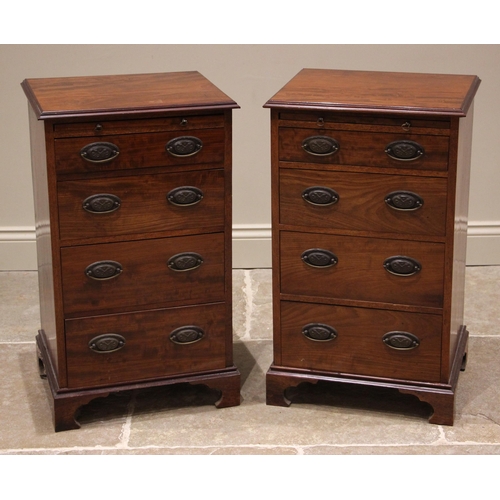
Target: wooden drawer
363 148
136 274
90 208
359 347
307 198
133 151
359 273
144 346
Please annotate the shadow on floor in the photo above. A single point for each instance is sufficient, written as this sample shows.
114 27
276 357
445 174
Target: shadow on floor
353 397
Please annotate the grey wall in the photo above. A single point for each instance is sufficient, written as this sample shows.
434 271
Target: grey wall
249 74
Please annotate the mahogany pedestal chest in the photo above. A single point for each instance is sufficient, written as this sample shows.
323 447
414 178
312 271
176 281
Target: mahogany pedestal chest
370 175
132 183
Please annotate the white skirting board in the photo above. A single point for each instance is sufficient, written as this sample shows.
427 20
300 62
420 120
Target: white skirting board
17 248
251 246
483 243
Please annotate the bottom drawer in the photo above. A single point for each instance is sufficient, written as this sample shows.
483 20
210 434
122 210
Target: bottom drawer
121 348
351 340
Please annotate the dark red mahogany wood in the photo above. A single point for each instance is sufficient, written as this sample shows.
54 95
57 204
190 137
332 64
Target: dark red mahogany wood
368 283
133 241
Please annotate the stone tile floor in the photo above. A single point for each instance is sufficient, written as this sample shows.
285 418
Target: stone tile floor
182 420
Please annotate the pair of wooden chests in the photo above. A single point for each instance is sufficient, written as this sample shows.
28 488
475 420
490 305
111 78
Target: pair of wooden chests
132 180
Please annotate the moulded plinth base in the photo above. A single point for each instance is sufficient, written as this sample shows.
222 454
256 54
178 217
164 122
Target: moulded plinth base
440 396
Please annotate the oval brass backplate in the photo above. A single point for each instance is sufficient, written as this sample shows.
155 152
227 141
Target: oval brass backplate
103 203
104 270
401 341
187 335
320 145
400 265
185 196
186 261
319 332
106 343
404 201
99 152
318 257
184 146
320 196
404 150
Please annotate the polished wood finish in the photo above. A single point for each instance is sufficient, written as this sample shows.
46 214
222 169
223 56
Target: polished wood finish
362 206
363 148
361 354
359 273
376 92
139 151
98 126
136 293
370 326
123 95
144 265
148 352
145 210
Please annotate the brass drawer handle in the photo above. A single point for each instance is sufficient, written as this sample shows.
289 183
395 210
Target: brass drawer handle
400 265
320 196
317 257
401 341
99 152
404 150
101 203
319 332
104 270
109 342
184 146
320 145
186 261
405 201
185 196
187 335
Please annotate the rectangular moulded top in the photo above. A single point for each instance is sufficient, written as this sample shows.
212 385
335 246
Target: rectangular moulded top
381 92
153 93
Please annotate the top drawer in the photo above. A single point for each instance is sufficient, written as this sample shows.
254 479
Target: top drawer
364 148
139 150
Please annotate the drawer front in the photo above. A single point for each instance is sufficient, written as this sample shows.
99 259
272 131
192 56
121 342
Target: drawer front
359 272
364 202
143 273
104 350
91 208
132 151
419 152
361 341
